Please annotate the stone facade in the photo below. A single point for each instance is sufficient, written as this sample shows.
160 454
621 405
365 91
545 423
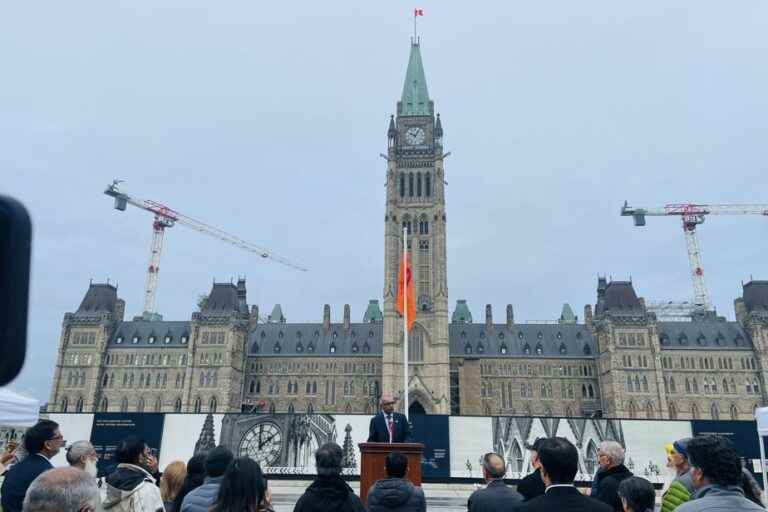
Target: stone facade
621 361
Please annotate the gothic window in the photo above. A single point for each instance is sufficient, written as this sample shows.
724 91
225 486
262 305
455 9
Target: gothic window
418 184
198 405
591 391
140 407
158 405
366 348
104 404
424 227
563 349
416 346
695 412
725 386
733 386
714 411
734 412
428 185
467 348
177 405
271 407
687 385
480 348
251 386
516 460
299 347
64 404
355 348
212 404
587 350
649 410
695 385
503 349
291 409
539 349
591 460
105 381
311 347
277 348
402 185
410 185
527 349
672 411
637 383
314 387
672 385
124 405
632 410
645 384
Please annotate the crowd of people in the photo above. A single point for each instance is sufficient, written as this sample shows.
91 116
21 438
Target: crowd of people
708 475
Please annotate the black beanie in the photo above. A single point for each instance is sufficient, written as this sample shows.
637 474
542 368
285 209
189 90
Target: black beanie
217 460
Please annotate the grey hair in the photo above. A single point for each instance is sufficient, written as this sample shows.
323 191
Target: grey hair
64 489
494 465
613 450
328 459
78 449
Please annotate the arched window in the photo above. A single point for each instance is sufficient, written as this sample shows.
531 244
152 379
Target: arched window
271 407
516 461
252 386
198 405
649 410
402 184
591 460
632 410
418 184
645 383
687 385
140 407
672 411
714 411
79 405
410 185
725 386
104 404
291 409
591 391
672 385
734 412
310 408
159 405
64 404
177 405
416 345
630 387
212 404
428 185
695 412
124 404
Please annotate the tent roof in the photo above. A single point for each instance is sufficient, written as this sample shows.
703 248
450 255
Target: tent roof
18 410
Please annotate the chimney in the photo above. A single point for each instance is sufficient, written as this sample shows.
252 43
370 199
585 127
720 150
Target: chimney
346 318
510 316
588 316
488 318
741 310
327 319
254 318
242 305
119 310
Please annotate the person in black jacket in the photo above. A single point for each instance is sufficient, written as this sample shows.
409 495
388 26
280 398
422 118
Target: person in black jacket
42 442
532 486
389 426
328 492
559 464
497 495
395 493
610 457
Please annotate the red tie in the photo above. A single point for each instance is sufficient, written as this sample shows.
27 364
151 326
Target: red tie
391 427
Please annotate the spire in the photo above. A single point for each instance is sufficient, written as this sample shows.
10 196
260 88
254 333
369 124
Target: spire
438 127
207 439
415 99
348 452
567 316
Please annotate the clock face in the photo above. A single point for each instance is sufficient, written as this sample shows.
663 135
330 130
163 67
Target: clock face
262 443
414 135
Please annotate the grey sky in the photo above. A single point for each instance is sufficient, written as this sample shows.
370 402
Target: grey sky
266 119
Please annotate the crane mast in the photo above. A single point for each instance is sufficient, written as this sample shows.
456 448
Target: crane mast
692 215
165 217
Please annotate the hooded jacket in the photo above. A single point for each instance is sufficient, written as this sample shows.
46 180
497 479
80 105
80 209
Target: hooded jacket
678 492
607 485
329 493
131 488
717 498
396 494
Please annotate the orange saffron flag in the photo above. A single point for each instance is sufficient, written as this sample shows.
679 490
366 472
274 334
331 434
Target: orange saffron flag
407 292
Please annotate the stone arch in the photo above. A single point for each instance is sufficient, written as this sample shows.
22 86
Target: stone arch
590 461
419 396
515 460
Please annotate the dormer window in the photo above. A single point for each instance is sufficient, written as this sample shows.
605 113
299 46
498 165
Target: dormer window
354 334
370 334
520 335
503 349
298 334
280 335
738 339
467 348
151 340
355 348
559 335
578 335
167 340
482 335
563 349
299 347
539 335
119 340
332 348
501 335
311 347
335 335
184 339
664 339
277 348
720 340
263 335
480 348
135 339
682 339
316 334
701 340
527 349
539 349
366 348
587 350
463 335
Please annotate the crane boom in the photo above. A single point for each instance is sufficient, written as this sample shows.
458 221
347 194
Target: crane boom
166 217
693 214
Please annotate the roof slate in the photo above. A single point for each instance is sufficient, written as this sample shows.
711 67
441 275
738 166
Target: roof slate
756 296
222 299
100 298
143 330
280 340
523 340
712 335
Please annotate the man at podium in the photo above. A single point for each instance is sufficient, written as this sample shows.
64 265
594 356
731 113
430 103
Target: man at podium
389 426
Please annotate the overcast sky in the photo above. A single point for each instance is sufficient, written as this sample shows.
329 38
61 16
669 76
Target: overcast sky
267 120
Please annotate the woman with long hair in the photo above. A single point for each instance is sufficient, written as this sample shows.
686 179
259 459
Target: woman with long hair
171 482
243 488
193 480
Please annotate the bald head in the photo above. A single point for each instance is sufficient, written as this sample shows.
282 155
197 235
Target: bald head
66 489
387 403
493 466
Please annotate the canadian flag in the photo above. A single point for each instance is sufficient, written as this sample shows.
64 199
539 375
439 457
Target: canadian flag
418 12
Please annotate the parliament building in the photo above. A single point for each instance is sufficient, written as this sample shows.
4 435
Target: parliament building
617 361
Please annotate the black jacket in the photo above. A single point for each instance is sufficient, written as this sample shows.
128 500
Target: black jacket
564 499
329 494
531 486
396 494
18 479
496 496
378 432
608 485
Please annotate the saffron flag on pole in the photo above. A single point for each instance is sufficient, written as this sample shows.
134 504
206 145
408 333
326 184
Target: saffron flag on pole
407 293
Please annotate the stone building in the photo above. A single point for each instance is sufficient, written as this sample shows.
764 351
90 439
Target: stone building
620 361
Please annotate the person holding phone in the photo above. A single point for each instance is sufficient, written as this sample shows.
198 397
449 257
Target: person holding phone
132 486
7 455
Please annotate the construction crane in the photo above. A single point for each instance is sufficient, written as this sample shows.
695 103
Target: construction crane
692 215
166 217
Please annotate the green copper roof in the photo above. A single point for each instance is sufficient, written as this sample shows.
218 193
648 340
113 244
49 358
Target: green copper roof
277 315
415 99
373 313
461 314
567 316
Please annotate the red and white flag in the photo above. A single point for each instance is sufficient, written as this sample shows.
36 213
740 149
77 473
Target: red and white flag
418 12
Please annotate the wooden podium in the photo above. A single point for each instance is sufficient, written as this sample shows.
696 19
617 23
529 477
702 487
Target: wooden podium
372 467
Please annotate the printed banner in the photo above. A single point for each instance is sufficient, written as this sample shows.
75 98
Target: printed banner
111 428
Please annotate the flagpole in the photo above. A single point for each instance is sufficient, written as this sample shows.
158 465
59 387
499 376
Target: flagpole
405 320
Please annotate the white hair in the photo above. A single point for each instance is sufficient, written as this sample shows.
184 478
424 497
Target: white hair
78 449
613 451
64 489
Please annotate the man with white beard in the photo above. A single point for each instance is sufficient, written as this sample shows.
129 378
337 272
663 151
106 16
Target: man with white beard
81 454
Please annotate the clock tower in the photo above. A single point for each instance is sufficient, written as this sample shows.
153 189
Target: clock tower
416 201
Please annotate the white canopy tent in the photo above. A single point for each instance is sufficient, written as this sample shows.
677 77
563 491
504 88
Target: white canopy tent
17 410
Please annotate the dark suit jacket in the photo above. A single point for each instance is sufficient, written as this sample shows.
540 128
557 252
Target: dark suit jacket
378 432
564 499
531 486
18 479
496 496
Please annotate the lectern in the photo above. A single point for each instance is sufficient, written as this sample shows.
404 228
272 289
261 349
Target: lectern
372 467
